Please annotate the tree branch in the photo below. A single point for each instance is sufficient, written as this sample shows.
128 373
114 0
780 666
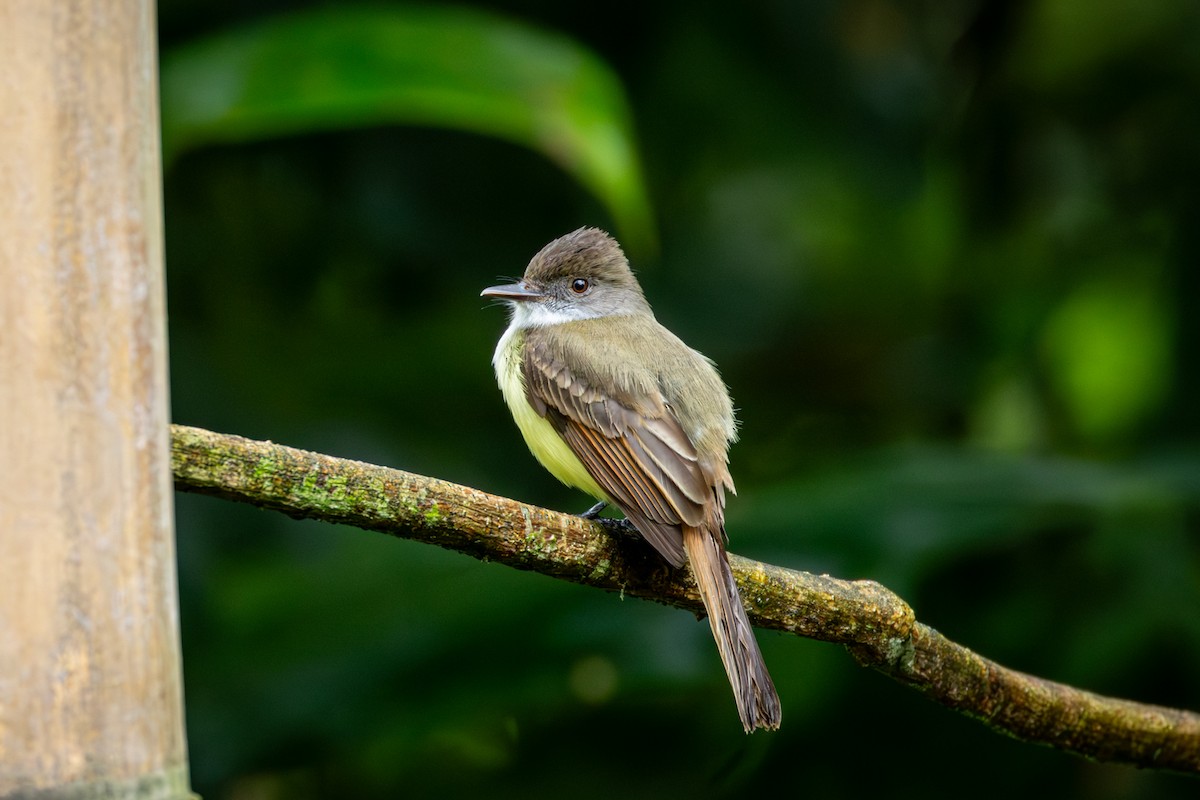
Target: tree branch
878 628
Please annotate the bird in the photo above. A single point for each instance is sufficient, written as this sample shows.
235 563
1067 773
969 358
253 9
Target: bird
611 402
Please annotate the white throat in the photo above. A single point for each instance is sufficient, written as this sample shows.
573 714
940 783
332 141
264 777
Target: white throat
526 315
540 314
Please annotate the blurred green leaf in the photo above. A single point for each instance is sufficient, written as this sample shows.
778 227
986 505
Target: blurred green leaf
1008 415
1109 352
451 67
1064 40
904 511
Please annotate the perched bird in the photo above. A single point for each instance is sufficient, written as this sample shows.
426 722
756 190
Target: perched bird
614 404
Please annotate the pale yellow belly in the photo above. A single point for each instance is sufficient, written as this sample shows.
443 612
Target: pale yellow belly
543 441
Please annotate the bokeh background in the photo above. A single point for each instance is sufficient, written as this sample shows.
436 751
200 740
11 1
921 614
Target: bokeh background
944 253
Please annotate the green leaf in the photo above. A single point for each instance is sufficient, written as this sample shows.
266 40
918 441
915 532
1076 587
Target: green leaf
1109 350
451 67
1064 42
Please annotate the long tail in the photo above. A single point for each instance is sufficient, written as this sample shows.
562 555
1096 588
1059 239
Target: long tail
757 702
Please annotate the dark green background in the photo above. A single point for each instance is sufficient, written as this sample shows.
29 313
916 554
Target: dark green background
946 257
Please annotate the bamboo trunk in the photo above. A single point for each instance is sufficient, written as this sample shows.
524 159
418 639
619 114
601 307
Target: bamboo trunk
90 684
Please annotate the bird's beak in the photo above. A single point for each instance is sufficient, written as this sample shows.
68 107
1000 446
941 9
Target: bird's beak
513 291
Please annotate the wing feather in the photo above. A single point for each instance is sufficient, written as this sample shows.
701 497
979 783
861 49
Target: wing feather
604 462
642 458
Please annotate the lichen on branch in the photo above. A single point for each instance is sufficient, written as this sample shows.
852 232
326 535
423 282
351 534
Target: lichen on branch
878 628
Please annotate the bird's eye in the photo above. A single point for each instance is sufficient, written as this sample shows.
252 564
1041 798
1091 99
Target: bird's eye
580 285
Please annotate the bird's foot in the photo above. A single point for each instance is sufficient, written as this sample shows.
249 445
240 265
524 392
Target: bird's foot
594 511
620 527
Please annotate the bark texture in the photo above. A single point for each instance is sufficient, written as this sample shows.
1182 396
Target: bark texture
876 626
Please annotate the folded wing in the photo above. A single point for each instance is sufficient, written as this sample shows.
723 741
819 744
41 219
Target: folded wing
640 456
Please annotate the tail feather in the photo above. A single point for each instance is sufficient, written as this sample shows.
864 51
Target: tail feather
757 702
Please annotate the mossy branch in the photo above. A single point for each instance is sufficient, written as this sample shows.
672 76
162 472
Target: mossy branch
878 628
